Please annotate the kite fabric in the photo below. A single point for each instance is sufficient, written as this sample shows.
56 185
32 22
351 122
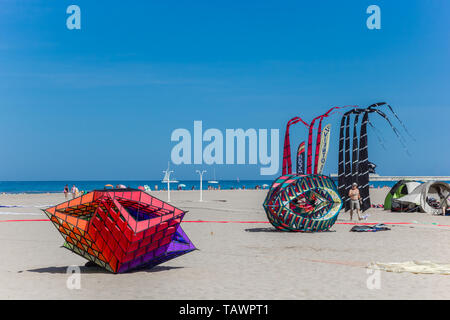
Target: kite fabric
302 203
418 267
318 139
363 166
309 154
355 155
366 228
323 150
121 229
298 202
301 158
295 201
287 161
356 168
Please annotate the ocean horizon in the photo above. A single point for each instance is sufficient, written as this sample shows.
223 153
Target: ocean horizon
88 185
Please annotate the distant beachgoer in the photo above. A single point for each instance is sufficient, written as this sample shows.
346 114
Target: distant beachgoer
355 197
156 187
75 192
66 191
445 207
445 203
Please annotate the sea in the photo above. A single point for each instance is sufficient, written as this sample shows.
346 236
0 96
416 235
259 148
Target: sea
58 186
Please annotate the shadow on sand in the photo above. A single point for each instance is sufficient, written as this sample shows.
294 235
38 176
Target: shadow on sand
97 269
279 231
263 230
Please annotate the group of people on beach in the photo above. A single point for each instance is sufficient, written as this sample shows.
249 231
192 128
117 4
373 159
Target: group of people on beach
74 191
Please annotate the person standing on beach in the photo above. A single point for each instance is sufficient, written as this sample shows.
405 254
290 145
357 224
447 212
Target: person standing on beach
74 191
355 197
445 206
444 203
66 191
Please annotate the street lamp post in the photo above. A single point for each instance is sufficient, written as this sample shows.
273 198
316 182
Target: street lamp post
167 174
201 183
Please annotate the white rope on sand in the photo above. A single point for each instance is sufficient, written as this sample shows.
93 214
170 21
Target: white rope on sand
21 213
25 206
425 267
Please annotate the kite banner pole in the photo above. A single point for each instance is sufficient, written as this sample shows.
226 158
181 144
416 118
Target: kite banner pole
301 158
355 156
324 145
287 164
318 142
310 153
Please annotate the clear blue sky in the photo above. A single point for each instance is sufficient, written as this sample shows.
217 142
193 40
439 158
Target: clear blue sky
101 102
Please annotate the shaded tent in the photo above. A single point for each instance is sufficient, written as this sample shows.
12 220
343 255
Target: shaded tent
400 189
428 197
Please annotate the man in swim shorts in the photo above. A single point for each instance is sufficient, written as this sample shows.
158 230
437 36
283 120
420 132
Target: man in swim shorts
355 197
445 204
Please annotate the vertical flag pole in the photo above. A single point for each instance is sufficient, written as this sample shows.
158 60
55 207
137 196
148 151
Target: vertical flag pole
201 183
167 172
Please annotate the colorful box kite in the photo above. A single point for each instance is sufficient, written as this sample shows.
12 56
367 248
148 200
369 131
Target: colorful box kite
302 203
121 229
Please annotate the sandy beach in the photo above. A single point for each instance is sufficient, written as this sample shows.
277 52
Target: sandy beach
233 260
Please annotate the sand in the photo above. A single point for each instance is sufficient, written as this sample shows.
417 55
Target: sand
234 260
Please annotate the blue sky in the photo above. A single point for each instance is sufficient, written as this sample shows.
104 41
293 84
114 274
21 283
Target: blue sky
101 102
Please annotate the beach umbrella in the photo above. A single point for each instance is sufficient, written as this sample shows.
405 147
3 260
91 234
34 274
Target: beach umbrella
109 186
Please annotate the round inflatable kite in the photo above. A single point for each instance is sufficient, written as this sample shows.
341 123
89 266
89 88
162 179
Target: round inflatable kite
303 203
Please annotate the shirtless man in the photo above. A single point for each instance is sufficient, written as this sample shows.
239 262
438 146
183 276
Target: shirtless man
445 204
354 196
